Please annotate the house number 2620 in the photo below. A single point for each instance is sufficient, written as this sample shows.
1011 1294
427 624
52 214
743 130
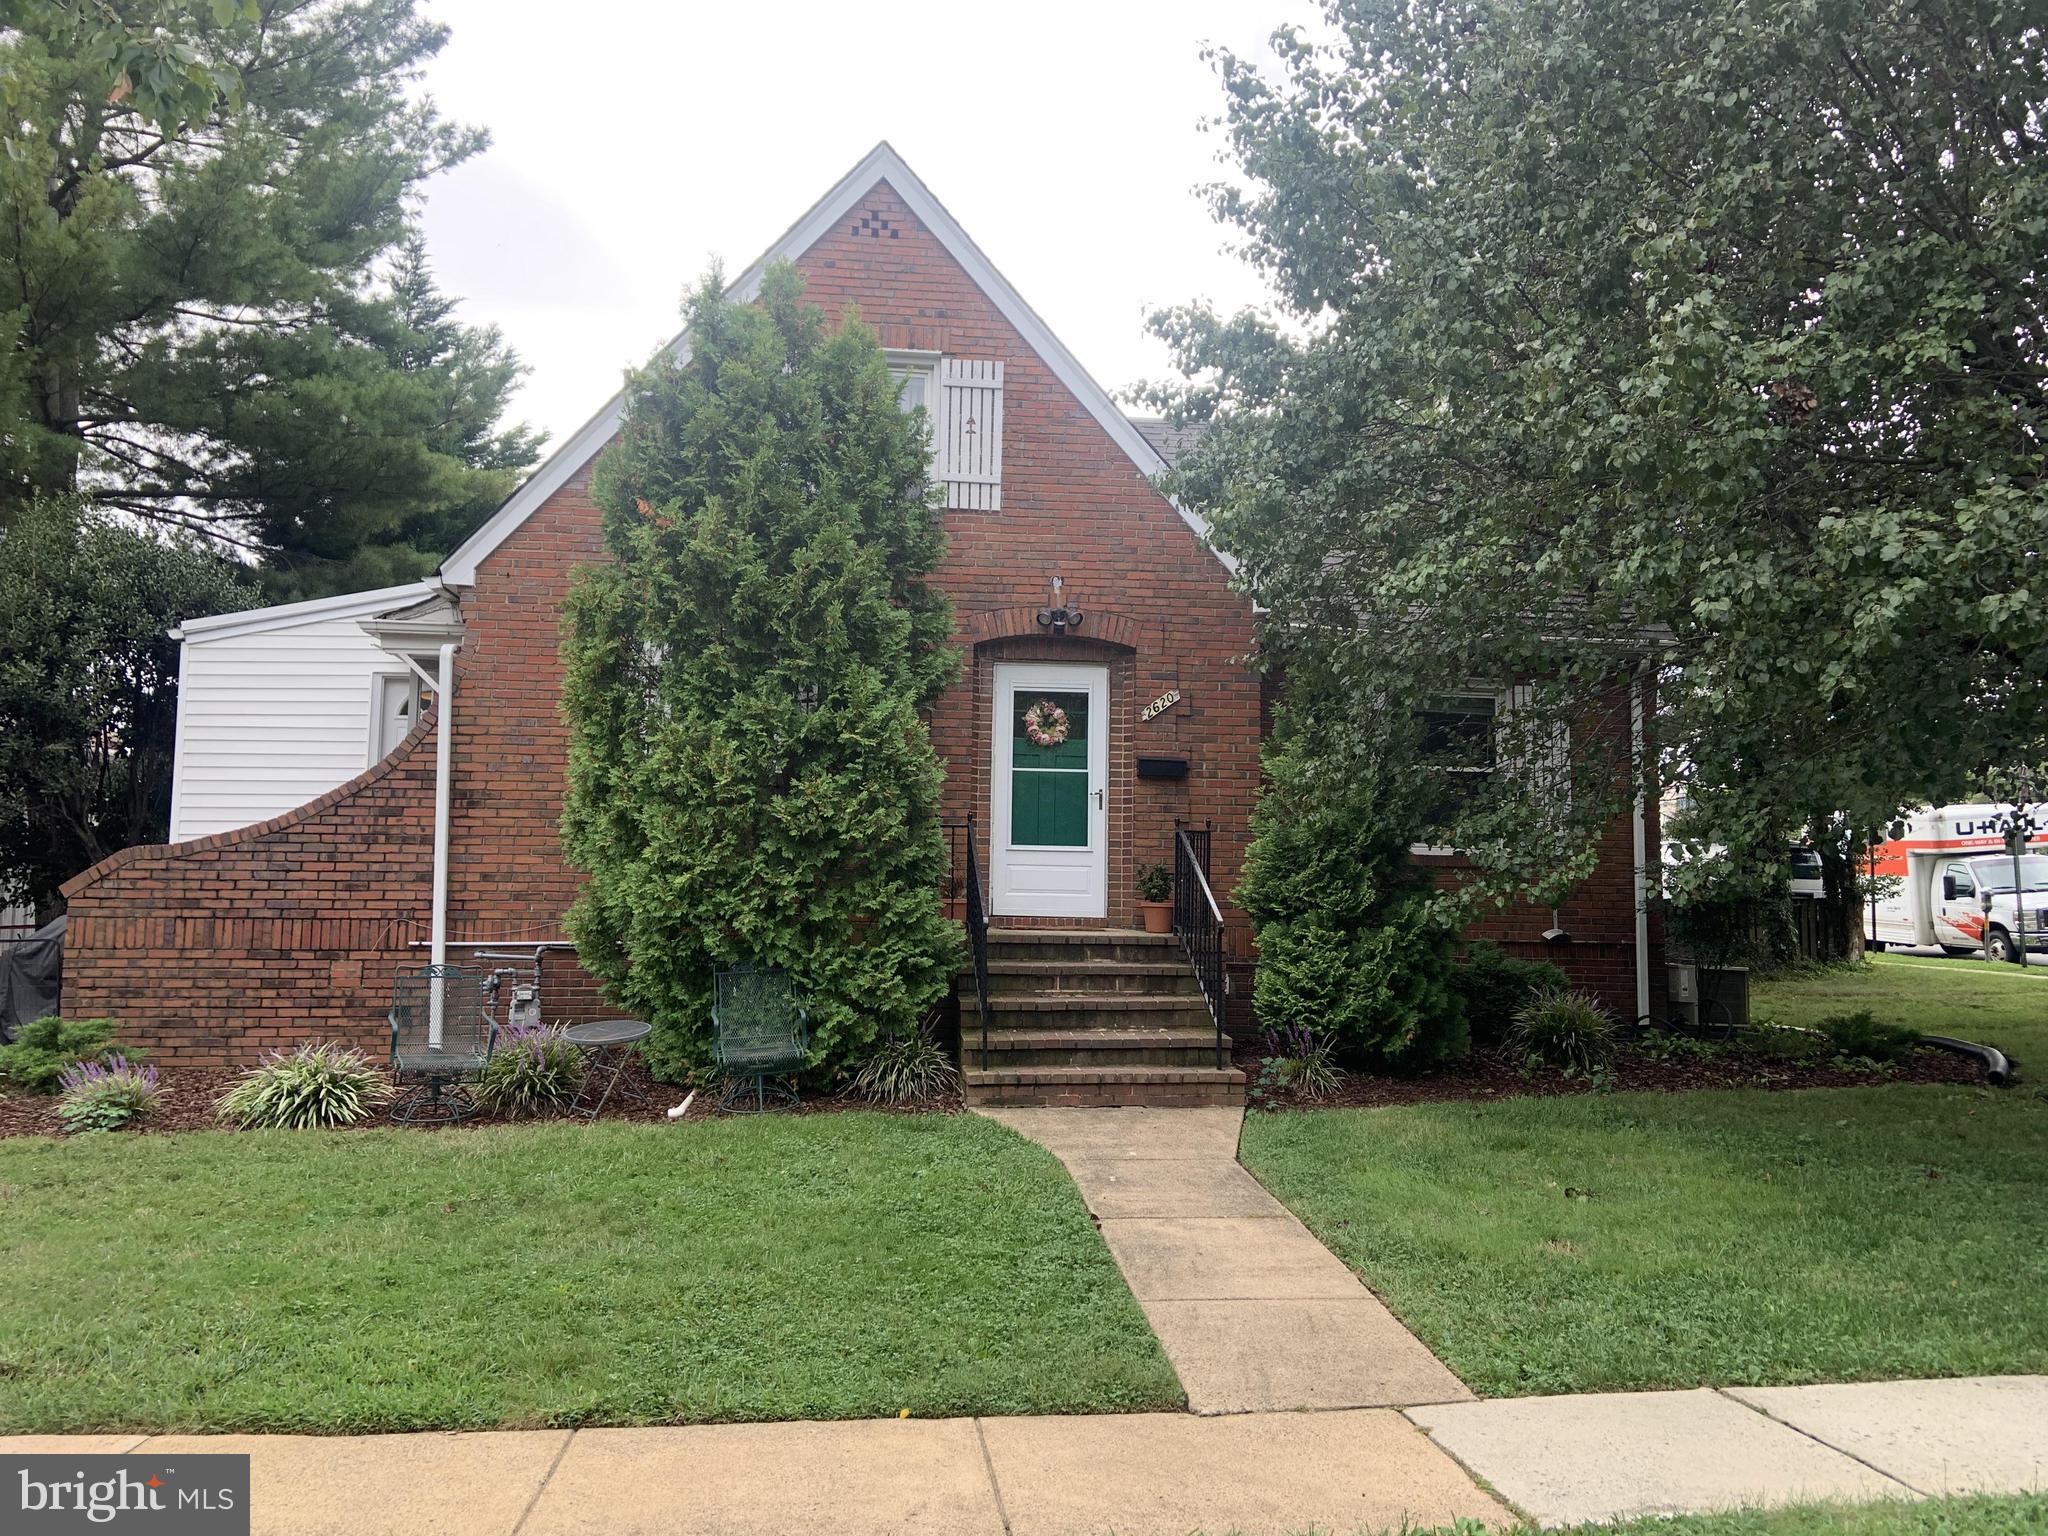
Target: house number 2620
1160 705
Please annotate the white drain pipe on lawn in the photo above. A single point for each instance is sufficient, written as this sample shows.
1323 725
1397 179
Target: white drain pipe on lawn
1642 845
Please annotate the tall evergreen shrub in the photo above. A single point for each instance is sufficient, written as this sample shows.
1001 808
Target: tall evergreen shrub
1353 943
750 776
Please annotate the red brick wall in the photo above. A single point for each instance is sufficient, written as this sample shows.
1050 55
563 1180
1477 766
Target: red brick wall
218 949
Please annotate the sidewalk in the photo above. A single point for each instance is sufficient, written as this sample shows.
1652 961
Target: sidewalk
1252 1311
1554 1460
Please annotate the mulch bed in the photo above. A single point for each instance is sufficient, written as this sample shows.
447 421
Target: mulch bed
189 1094
1496 1074
1485 1074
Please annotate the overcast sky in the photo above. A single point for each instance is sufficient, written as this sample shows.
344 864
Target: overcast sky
634 140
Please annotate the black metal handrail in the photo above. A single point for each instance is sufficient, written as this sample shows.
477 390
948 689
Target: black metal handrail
1198 923
977 927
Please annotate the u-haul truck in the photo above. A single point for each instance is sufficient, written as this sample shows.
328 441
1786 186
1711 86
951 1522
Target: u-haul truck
1948 861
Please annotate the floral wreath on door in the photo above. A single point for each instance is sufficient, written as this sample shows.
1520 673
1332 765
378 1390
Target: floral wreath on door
1045 724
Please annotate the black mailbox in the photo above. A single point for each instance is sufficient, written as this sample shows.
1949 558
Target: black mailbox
1162 767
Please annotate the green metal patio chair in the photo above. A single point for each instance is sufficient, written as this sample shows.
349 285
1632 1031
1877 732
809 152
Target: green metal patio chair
433 1059
757 1034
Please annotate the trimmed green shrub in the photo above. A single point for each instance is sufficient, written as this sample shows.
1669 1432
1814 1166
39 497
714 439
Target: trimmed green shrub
44 1048
1861 1036
1381 994
1565 1029
906 1071
309 1088
534 1069
105 1095
751 780
1354 944
1495 984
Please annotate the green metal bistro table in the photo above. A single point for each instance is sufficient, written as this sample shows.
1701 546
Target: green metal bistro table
607 1045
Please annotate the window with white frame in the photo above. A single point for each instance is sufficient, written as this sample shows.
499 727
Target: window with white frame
394 711
916 375
1467 738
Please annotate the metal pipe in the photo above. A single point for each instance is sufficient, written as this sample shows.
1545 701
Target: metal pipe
444 762
1642 848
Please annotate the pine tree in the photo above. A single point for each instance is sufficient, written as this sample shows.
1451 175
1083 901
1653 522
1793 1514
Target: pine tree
750 777
89 686
216 318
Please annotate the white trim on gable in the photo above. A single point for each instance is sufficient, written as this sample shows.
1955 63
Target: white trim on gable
882 163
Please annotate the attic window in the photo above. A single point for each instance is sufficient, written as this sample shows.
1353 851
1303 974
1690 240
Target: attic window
916 375
874 226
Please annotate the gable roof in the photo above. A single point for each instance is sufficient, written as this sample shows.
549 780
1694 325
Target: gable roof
881 163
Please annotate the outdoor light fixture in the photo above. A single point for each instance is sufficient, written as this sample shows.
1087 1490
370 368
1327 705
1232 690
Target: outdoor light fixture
1059 618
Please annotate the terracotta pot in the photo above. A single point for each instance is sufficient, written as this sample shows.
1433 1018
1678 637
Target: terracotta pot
1157 916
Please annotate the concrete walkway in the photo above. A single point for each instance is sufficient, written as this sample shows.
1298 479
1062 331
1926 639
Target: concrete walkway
1558 1460
1613 1455
1254 1313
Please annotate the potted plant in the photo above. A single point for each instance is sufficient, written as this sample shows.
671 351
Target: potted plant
1155 898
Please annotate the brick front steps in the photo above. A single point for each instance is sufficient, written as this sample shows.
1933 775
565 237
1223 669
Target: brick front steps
1092 1016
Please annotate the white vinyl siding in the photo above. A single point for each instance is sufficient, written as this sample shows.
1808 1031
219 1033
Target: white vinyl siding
967 433
269 719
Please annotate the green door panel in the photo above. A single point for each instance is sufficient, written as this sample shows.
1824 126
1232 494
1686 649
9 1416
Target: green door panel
1048 809
1049 785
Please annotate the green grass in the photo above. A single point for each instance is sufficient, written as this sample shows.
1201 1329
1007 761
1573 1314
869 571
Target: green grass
2018 1515
1666 1240
2023 1514
831 1266
1999 1005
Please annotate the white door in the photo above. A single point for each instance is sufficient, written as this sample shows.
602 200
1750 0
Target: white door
1049 791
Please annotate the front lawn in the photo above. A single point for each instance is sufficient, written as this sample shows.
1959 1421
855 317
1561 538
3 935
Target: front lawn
1669 1240
1999 1005
830 1266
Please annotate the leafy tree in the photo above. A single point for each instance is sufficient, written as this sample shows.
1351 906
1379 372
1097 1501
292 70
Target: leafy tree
88 687
1597 323
216 316
750 781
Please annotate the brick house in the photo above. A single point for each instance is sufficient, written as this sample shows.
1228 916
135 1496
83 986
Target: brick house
327 830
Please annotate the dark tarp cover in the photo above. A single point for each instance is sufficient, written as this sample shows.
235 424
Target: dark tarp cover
31 977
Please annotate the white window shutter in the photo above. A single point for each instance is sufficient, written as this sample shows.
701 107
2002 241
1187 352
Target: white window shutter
967 433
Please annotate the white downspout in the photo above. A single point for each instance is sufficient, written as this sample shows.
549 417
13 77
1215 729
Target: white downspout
444 757
444 762
1642 846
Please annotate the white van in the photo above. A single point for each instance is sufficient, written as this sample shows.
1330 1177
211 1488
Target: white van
1949 860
